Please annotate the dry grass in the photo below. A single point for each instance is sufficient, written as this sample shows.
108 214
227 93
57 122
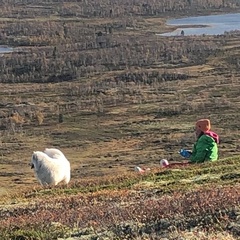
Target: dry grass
108 128
137 206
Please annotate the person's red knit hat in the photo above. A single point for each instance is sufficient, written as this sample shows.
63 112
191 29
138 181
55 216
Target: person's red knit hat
203 124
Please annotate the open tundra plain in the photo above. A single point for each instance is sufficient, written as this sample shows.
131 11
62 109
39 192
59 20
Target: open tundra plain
93 79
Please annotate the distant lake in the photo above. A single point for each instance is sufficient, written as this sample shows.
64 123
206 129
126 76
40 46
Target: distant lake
5 49
208 25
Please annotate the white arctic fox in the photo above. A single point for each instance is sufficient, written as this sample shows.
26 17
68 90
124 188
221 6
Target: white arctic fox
51 167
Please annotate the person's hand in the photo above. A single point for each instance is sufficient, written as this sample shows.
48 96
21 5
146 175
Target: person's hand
185 153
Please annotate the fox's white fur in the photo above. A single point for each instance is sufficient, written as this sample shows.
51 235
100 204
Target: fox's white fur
51 167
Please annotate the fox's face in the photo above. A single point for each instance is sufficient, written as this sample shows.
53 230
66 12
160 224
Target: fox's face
35 163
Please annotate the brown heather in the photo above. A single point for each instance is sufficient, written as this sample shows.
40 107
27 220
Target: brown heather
93 79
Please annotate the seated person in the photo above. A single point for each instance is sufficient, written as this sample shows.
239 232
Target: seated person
206 146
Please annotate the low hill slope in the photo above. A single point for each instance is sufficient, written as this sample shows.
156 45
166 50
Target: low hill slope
189 201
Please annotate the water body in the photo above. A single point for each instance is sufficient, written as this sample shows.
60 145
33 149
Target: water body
208 25
5 49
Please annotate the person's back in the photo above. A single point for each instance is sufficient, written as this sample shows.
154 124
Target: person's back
205 149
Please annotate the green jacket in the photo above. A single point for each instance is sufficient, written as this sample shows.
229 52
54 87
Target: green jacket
205 149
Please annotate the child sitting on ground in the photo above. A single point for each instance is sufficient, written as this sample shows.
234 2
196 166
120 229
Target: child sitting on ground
206 146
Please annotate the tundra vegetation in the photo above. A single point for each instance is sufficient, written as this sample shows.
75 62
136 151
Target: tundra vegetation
93 79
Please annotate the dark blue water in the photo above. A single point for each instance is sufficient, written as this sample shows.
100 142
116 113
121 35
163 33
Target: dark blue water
216 25
5 49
